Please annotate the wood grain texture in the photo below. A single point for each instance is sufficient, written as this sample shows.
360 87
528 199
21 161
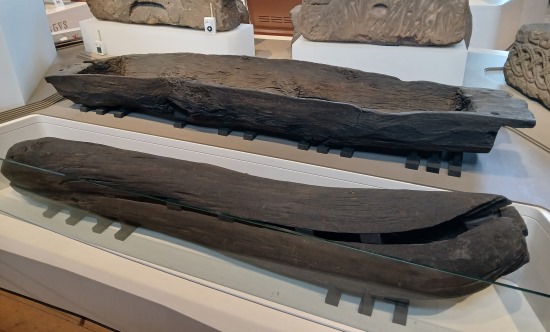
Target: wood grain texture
526 68
386 22
493 248
320 104
220 190
188 13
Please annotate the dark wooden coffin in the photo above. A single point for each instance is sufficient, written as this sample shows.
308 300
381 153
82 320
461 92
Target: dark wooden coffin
301 101
355 239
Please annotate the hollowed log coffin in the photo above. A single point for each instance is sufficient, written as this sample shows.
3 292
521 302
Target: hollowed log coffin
301 101
394 243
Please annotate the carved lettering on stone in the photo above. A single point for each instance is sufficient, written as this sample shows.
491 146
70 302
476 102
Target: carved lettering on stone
189 13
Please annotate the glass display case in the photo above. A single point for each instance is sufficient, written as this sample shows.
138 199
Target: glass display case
518 301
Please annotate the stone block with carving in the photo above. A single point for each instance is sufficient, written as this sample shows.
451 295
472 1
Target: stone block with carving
386 22
189 13
528 66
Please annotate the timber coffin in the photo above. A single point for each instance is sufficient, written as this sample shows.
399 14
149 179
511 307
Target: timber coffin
319 104
364 238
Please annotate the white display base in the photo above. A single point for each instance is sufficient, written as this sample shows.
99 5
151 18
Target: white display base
67 17
495 22
437 64
122 38
26 50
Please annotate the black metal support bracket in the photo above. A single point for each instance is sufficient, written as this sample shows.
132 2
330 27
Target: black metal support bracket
413 160
303 145
366 306
75 217
85 108
224 131
455 164
434 163
180 124
347 152
323 149
333 296
102 225
119 114
52 210
250 135
400 312
124 232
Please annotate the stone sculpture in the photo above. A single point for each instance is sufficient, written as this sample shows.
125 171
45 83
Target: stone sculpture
384 22
472 235
302 101
527 68
188 13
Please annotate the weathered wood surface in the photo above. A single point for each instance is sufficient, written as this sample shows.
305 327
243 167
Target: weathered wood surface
188 13
320 104
221 190
495 247
388 22
528 63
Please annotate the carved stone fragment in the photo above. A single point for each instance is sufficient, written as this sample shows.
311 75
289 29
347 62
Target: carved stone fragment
189 13
528 66
386 22
467 234
295 16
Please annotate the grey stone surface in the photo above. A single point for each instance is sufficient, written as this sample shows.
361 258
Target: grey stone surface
386 22
527 66
189 13
295 17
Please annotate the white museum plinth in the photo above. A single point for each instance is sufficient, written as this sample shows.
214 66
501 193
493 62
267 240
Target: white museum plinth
26 50
122 38
438 64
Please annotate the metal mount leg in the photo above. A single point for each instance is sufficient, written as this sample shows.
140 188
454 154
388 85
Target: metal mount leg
224 131
333 296
85 108
102 225
455 164
413 161
52 210
347 152
401 312
121 113
180 124
75 217
250 135
366 306
434 163
124 231
303 145
323 149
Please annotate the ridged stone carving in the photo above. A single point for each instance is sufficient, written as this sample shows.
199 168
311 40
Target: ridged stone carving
386 22
528 66
189 13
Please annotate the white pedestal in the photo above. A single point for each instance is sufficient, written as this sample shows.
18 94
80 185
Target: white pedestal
67 17
26 50
437 64
121 38
495 22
